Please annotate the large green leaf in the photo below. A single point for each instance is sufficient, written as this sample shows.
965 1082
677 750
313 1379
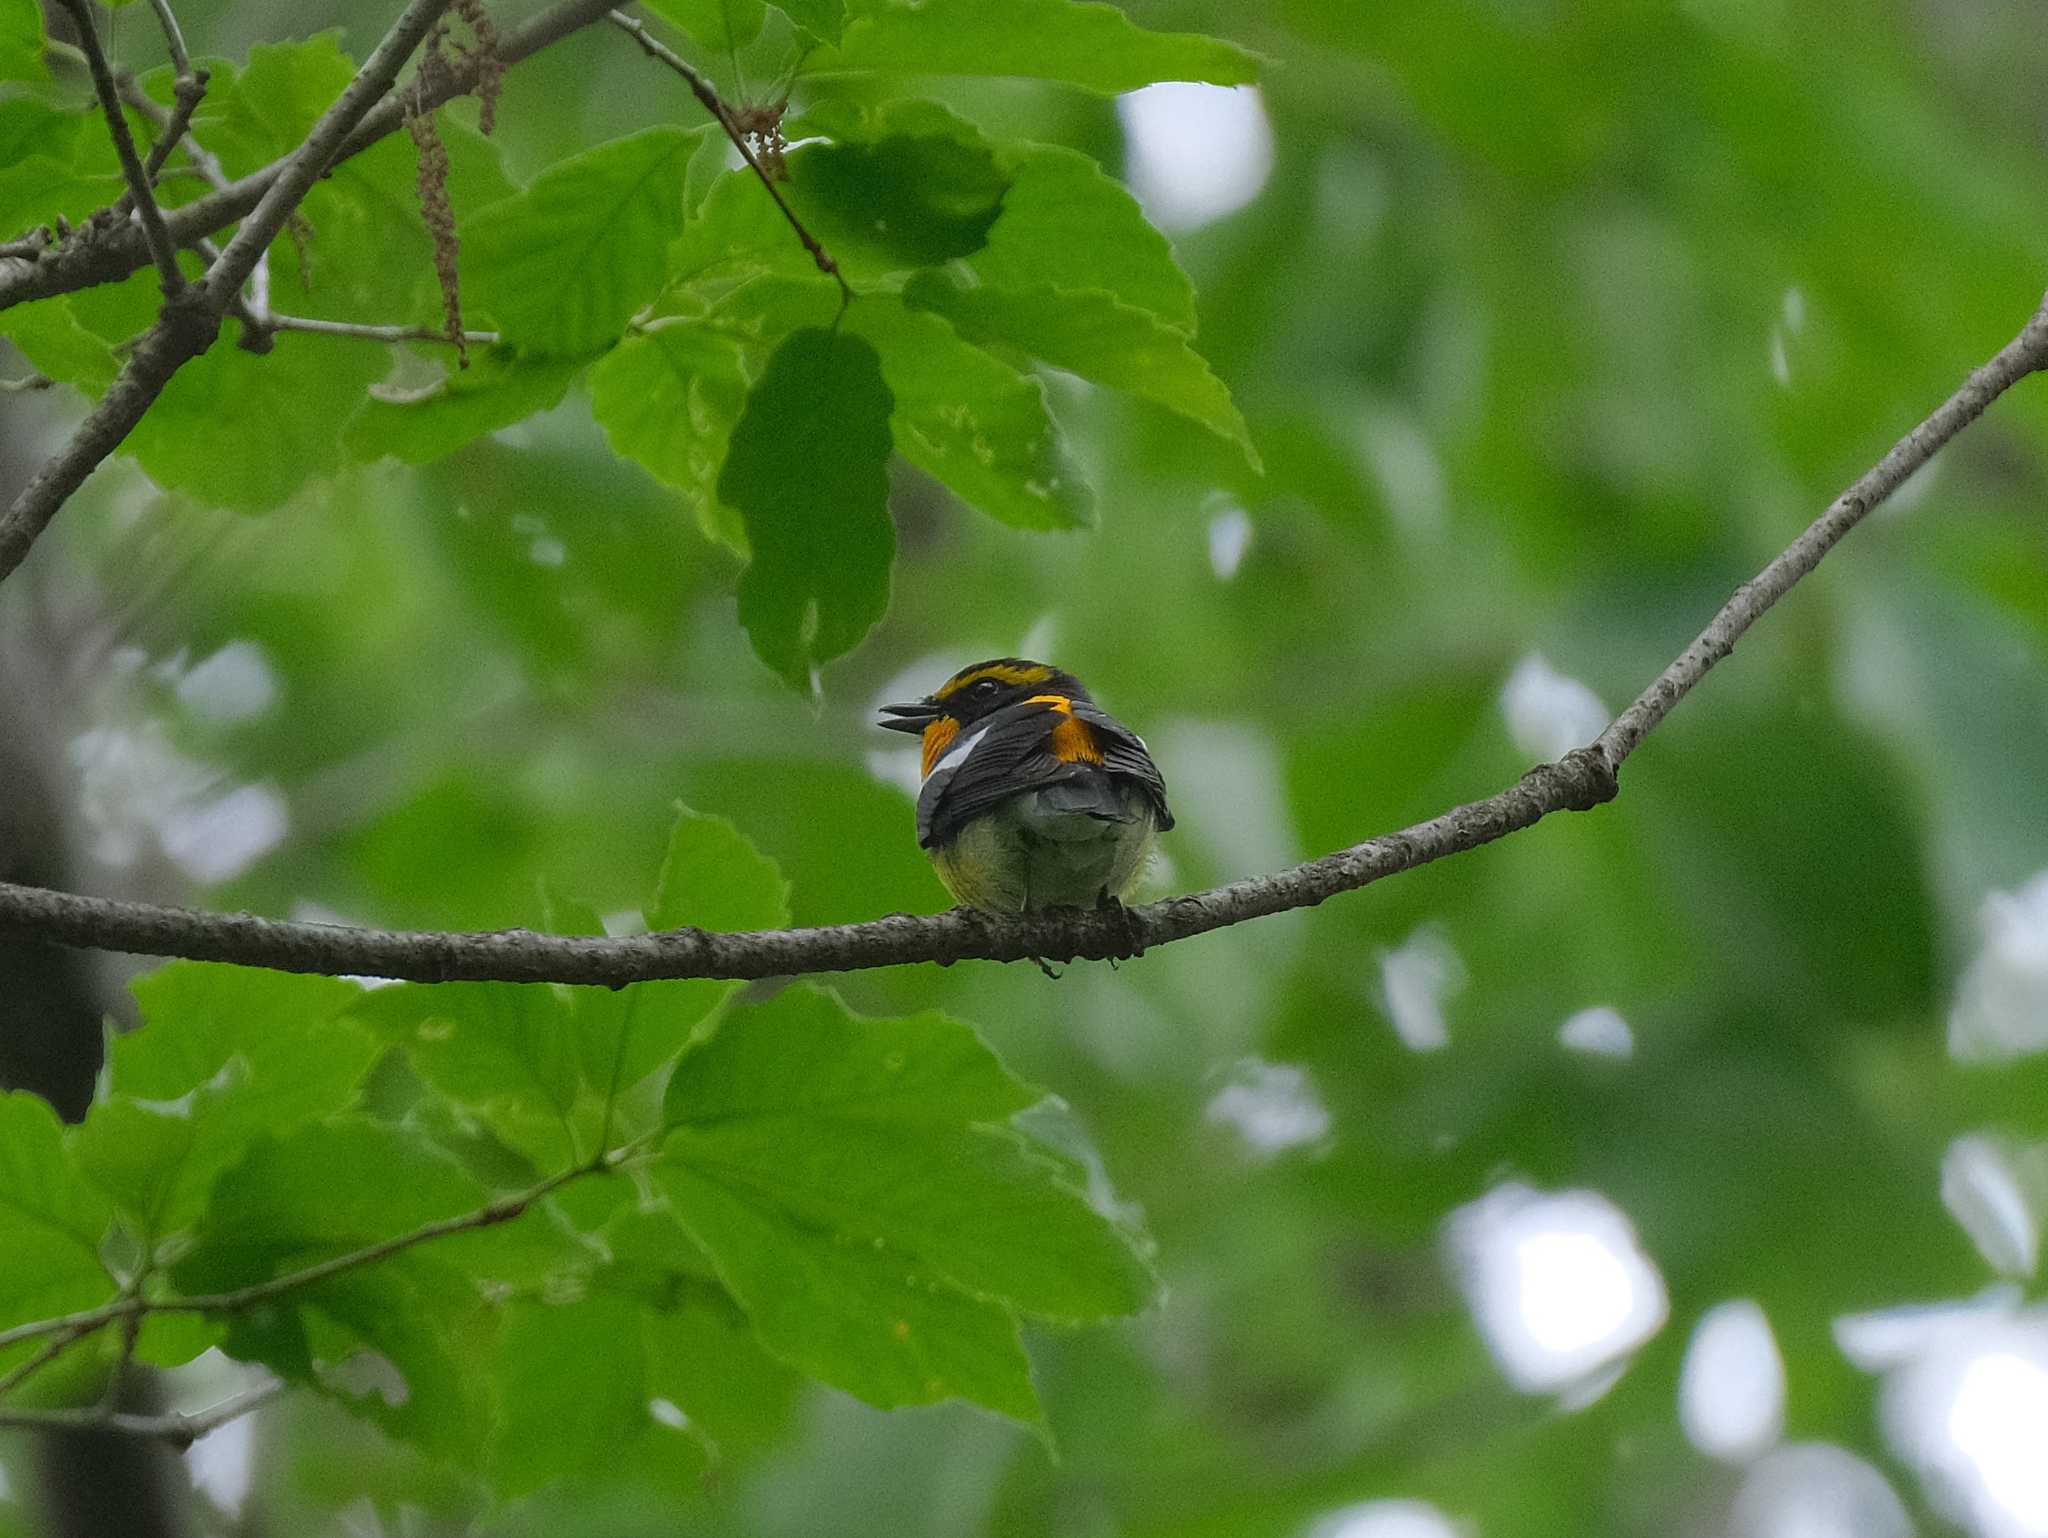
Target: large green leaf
1093 334
226 1055
711 878
500 387
571 1391
716 25
1066 224
49 335
808 473
890 201
668 399
502 1049
341 1187
823 19
51 1218
858 1187
1084 44
972 421
959 413
21 44
52 163
563 265
245 431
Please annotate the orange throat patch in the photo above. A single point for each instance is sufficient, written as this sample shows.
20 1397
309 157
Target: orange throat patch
937 737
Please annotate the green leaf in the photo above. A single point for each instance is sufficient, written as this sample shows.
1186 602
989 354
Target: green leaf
912 200
877 1324
701 1352
964 417
822 19
861 1194
893 201
499 388
339 1187
49 164
360 250
51 1219
1066 224
245 431
49 335
716 25
668 400
808 472
571 1391
712 877
1092 334
21 43
1089 45
971 421
226 1055
200 1014
563 265
502 1049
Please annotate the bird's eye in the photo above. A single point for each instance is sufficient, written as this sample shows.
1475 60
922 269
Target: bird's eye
986 689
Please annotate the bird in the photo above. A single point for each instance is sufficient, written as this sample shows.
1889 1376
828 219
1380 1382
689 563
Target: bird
1032 795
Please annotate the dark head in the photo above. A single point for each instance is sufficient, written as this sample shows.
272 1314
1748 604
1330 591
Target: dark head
976 691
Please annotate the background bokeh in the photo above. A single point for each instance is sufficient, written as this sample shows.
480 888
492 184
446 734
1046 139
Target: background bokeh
1672 1169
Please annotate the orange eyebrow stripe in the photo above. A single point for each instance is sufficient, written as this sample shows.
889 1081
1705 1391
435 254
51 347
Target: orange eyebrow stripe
1000 672
936 737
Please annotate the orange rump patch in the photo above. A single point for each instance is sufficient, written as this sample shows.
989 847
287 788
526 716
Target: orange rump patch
1074 742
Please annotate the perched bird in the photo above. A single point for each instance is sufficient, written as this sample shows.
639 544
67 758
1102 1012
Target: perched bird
1033 796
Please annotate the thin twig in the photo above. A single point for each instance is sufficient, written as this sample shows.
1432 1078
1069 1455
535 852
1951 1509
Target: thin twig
377 333
191 318
187 92
60 1341
1579 781
25 382
203 160
174 38
161 247
503 1210
179 1430
714 104
109 255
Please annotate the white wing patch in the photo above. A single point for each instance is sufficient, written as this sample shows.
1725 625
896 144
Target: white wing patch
936 782
957 755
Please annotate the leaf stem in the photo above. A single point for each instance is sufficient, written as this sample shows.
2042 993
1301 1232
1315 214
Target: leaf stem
714 104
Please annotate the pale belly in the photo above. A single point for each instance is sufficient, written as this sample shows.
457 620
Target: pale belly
1027 855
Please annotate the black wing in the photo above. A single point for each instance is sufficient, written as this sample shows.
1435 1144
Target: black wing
1123 752
1010 751
1007 752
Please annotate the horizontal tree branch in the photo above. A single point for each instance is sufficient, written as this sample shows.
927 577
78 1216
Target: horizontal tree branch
191 317
179 1430
1580 780
103 254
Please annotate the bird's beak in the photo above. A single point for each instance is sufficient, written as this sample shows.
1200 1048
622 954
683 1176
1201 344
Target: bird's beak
909 718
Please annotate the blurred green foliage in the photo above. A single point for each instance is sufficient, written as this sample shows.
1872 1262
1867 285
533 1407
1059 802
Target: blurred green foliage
1549 325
